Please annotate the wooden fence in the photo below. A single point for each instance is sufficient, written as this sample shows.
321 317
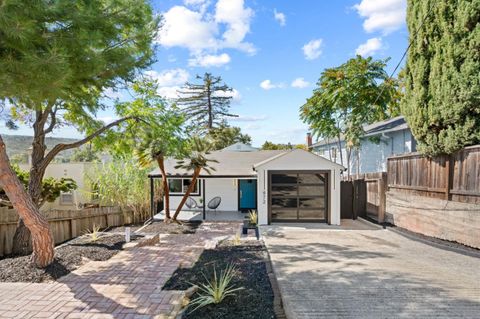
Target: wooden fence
65 224
455 177
374 194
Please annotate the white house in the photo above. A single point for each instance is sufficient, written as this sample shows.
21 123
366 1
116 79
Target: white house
282 185
381 140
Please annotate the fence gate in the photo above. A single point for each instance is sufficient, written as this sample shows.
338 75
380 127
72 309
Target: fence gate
353 199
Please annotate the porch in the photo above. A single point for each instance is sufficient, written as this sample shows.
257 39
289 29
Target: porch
222 216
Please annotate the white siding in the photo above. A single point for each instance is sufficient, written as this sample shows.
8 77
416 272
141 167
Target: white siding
226 188
299 160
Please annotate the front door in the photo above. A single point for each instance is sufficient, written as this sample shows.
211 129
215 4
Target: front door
247 194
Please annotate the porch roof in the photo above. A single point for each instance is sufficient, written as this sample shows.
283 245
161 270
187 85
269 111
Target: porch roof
230 164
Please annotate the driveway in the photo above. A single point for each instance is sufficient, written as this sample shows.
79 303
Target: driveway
362 271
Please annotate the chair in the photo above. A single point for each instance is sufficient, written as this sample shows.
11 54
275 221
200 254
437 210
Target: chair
214 203
191 203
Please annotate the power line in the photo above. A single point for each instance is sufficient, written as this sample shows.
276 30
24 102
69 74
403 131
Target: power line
406 50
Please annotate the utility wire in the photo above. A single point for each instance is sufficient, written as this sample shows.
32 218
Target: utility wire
406 51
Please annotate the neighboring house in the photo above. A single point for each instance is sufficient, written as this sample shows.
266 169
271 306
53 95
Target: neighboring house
76 171
282 185
381 140
240 147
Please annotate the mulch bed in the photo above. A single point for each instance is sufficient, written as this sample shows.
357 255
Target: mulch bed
187 227
255 301
68 257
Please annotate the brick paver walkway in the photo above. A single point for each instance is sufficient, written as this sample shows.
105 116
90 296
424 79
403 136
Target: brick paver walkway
129 285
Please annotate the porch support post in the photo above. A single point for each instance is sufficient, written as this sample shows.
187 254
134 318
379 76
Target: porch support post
203 195
152 203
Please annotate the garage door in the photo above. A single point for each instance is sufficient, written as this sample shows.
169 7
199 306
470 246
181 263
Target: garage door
298 196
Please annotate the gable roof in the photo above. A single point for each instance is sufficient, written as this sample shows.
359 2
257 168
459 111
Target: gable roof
301 156
391 125
230 164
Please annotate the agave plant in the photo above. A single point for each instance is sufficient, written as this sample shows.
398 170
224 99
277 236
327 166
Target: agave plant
253 217
216 289
94 234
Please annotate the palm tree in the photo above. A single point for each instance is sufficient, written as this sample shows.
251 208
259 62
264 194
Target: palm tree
151 148
195 161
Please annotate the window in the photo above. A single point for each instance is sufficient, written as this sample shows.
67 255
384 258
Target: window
179 186
66 198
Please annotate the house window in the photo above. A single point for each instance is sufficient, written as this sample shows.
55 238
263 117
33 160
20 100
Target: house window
66 198
179 186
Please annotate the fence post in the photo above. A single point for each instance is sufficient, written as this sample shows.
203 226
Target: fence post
448 181
382 188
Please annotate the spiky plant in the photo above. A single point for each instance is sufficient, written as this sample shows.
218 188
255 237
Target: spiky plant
253 217
215 290
196 161
94 233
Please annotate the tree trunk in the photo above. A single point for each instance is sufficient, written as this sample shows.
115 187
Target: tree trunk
196 172
42 239
209 105
166 191
340 149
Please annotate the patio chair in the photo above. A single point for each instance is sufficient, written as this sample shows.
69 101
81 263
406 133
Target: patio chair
214 203
191 203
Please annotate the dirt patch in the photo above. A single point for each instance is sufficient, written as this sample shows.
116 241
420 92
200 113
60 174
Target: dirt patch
68 257
255 301
189 227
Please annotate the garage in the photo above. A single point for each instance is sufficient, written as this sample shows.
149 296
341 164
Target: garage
298 196
298 186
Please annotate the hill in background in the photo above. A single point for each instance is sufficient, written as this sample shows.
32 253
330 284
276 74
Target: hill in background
18 145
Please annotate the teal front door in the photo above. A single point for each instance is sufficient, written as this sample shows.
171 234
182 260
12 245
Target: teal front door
247 194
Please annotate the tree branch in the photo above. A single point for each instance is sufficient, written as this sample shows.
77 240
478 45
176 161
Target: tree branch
53 121
61 147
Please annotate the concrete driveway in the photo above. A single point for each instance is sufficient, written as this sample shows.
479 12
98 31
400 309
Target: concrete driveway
362 271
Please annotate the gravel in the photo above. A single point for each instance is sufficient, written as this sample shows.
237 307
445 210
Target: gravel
68 257
255 301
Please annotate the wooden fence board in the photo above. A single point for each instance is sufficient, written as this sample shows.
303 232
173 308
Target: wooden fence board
65 224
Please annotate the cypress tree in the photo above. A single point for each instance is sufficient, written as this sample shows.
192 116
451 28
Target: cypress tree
442 93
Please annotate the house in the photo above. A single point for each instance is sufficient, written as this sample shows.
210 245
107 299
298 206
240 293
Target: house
78 171
381 140
282 185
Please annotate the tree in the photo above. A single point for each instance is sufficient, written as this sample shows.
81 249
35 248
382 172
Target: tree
161 134
272 146
196 161
51 187
57 58
224 136
347 97
442 93
85 154
207 104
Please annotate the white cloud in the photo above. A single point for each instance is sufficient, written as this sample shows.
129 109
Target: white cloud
313 49
370 47
169 81
268 85
186 28
280 17
209 60
385 16
234 93
249 118
300 83
112 94
169 77
203 32
237 17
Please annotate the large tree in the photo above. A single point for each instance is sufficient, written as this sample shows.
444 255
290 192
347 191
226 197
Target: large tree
206 104
442 93
57 58
224 136
349 96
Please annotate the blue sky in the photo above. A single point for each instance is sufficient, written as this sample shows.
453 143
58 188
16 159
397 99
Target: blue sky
271 52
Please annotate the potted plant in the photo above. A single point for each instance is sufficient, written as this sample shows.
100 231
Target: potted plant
251 222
